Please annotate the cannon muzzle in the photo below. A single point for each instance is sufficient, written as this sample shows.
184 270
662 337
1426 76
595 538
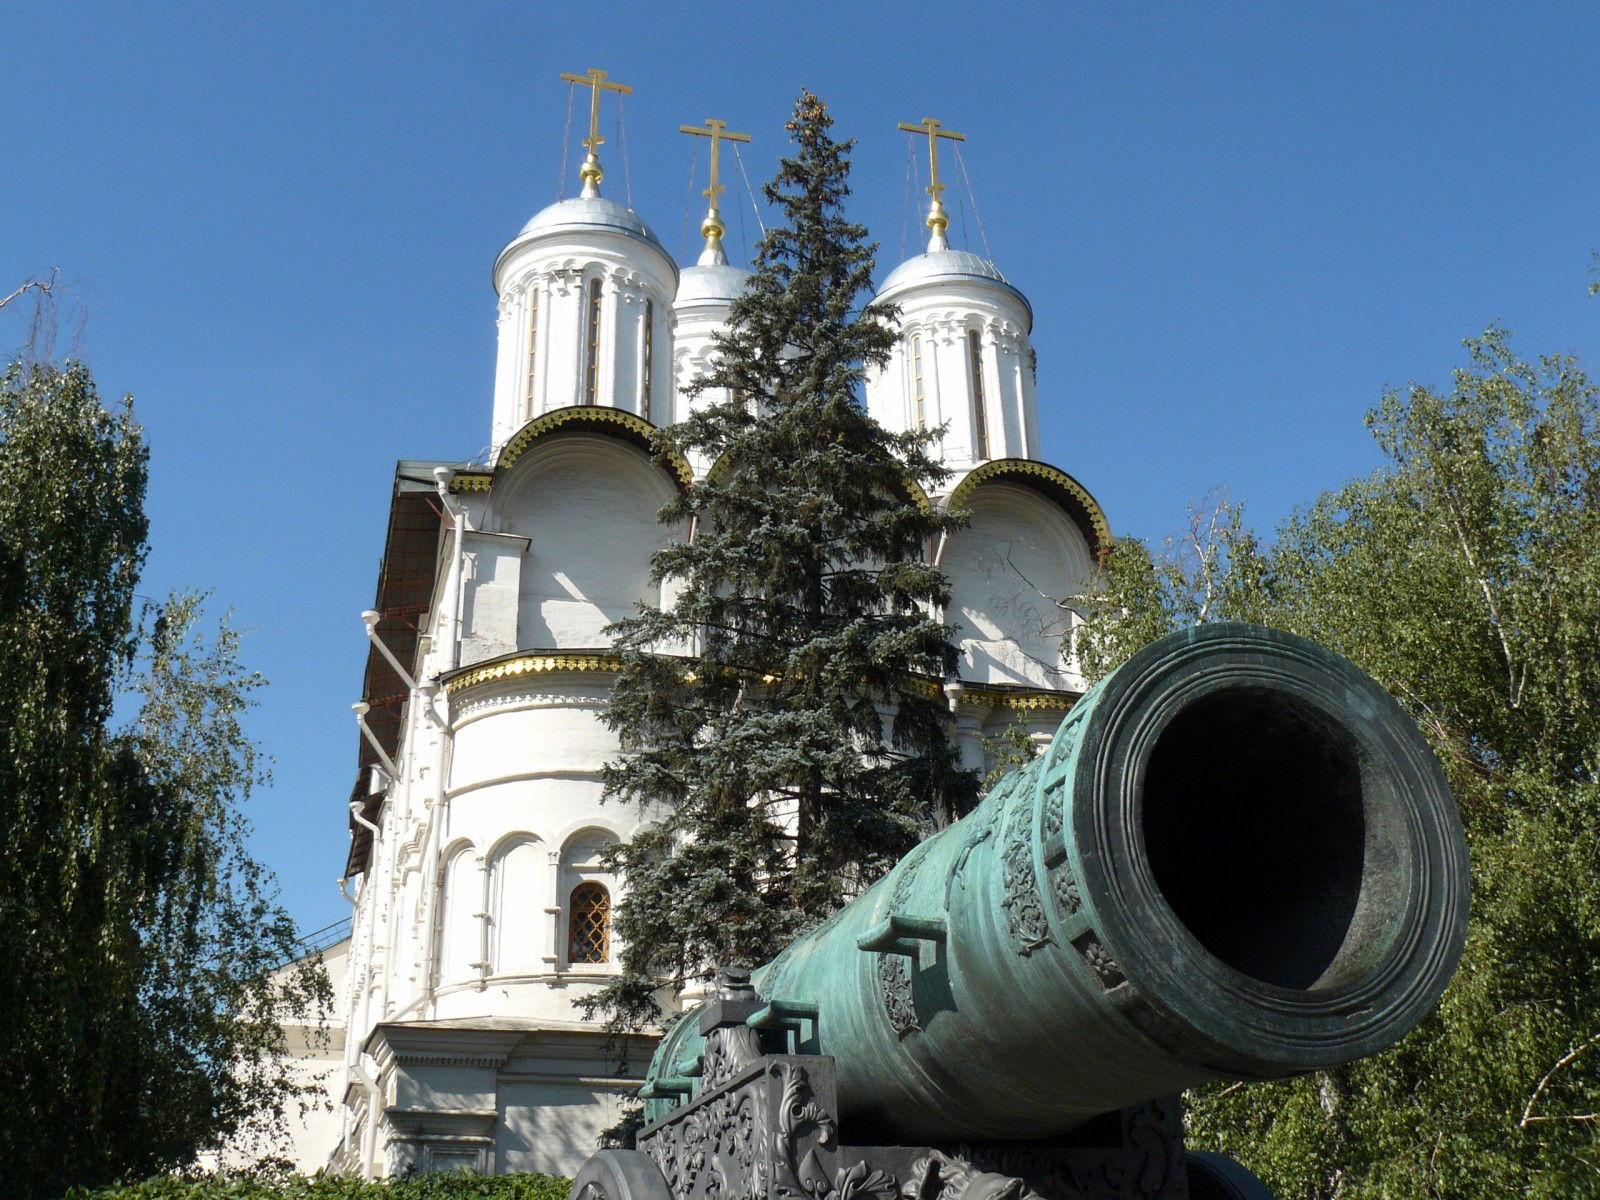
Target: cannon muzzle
1238 859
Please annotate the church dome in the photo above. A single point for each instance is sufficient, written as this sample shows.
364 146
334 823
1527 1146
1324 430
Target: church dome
585 290
584 223
961 363
581 212
949 269
717 284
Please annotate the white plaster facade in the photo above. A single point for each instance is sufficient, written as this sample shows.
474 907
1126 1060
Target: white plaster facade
477 828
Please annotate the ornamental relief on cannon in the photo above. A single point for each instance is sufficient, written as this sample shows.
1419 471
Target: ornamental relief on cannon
1014 1043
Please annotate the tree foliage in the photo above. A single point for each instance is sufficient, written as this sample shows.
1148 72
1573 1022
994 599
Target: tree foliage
804 747
1464 574
441 1185
138 935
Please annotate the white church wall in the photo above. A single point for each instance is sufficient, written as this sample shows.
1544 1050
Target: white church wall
524 796
314 1054
492 595
559 1091
544 1119
552 729
1009 570
588 508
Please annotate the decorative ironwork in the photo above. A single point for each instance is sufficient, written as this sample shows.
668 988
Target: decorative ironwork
894 971
532 664
1025 917
589 924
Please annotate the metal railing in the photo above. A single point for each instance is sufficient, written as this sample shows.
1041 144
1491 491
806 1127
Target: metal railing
321 939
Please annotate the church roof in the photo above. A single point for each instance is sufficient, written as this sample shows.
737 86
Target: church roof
590 212
721 282
949 266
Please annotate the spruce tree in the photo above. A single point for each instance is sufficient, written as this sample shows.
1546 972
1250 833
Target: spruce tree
803 746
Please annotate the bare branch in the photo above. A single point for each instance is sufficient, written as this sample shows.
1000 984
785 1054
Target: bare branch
1527 1113
40 285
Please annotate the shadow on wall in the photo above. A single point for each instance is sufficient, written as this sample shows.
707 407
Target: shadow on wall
588 508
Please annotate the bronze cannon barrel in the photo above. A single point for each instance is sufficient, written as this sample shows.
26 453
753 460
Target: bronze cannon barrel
1238 859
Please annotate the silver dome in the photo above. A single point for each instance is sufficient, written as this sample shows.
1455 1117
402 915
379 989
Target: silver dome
948 266
590 212
721 283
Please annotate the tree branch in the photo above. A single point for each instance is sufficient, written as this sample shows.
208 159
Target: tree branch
1527 1113
35 285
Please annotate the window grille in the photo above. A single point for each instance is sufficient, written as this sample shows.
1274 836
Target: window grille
589 924
591 373
980 418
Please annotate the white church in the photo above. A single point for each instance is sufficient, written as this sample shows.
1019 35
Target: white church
482 913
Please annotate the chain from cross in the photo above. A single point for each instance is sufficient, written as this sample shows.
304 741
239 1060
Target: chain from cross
596 82
712 228
937 221
718 132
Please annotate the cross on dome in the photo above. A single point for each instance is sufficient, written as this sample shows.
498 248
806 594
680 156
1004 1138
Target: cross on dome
712 227
938 222
596 82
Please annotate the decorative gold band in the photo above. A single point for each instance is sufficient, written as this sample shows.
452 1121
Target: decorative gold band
610 664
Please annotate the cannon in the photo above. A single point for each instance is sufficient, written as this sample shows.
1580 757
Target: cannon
1237 860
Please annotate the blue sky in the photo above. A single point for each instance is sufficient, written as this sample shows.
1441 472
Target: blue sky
1236 222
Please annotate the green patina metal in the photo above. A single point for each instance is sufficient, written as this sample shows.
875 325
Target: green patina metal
1237 859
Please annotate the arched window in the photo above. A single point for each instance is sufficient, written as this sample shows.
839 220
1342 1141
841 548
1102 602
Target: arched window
533 342
919 387
516 872
649 354
980 418
591 366
589 924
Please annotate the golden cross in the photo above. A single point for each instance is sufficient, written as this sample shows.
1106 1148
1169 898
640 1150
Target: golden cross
937 221
712 228
718 132
596 82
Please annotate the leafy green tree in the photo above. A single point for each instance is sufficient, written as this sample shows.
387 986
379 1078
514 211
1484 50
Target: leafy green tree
1464 574
138 936
804 747
438 1185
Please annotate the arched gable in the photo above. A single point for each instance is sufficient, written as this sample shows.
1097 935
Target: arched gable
1013 571
589 418
586 890
1051 482
518 866
568 837
459 933
587 507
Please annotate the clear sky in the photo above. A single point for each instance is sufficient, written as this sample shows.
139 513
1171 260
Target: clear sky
1236 223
